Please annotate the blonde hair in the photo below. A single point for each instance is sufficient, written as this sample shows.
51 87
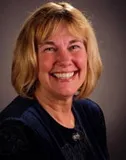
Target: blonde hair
39 26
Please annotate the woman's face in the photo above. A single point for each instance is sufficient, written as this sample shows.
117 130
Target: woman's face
62 61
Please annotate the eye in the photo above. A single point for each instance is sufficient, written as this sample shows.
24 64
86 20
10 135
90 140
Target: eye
74 47
49 49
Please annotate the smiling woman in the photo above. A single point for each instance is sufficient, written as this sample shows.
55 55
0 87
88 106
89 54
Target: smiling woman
56 66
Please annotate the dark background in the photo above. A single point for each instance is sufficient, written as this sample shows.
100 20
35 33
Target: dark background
109 21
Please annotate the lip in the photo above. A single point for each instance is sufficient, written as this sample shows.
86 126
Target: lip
64 71
64 79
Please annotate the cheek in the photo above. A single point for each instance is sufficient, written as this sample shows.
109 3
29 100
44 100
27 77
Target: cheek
81 60
45 63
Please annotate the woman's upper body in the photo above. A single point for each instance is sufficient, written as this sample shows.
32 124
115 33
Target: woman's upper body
56 63
26 129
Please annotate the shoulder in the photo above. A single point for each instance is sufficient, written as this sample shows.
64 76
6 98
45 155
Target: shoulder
89 111
24 111
16 108
88 106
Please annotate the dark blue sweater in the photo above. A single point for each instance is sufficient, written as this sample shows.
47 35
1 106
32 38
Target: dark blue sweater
27 130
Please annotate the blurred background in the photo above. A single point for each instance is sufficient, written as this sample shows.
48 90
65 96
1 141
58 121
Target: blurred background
109 20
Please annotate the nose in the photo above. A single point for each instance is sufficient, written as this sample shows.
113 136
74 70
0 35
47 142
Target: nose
64 57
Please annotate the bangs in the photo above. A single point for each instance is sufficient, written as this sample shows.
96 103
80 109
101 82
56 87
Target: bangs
45 30
51 25
78 31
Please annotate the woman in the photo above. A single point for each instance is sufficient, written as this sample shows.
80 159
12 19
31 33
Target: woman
55 67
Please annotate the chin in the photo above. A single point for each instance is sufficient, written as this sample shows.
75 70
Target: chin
67 93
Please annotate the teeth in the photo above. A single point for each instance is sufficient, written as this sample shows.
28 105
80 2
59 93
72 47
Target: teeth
64 75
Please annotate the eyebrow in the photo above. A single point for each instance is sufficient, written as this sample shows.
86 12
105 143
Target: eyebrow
76 40
53 43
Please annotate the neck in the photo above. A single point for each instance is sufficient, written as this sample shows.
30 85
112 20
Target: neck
60 110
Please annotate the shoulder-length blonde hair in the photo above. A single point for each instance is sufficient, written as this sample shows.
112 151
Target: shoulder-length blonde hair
39 26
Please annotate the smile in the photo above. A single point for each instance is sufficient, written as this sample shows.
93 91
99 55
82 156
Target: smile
64 75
